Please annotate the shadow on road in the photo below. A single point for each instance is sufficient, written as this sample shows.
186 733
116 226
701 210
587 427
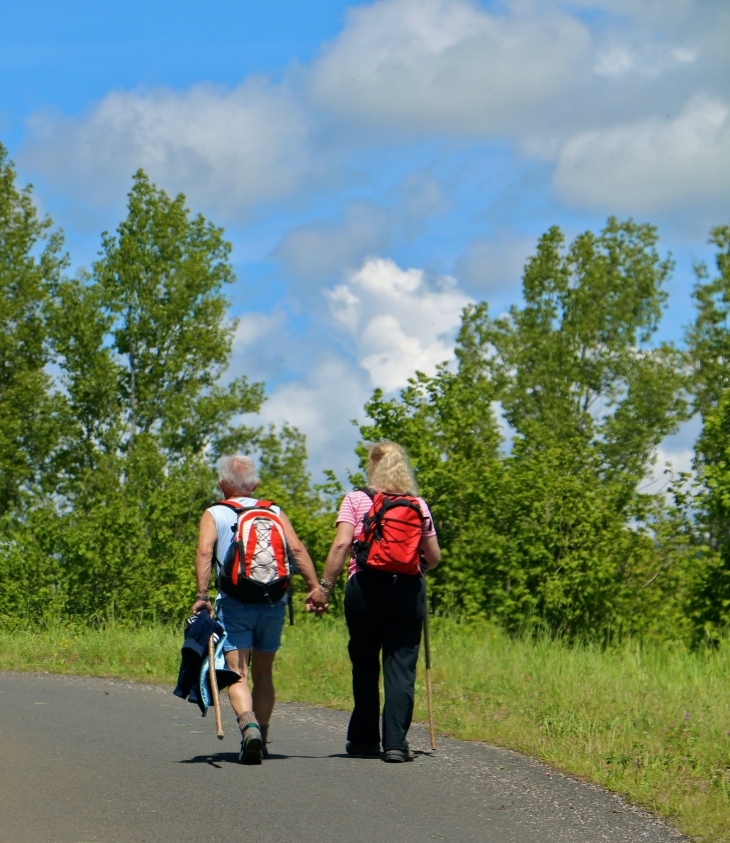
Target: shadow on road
216 759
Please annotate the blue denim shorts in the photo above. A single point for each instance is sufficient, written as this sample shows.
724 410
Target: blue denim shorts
249 626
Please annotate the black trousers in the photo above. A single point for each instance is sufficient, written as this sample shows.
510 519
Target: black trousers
385 613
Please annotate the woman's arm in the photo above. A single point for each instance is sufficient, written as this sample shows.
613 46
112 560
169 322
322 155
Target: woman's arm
431 551
336 559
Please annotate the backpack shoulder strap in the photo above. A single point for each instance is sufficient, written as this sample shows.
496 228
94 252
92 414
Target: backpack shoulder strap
368 491
234 505
264 504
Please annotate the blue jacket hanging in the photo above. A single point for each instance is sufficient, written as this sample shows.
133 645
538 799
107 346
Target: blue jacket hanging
193 681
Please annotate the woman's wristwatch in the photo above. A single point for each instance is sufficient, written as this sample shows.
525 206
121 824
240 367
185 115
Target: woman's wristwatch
326 586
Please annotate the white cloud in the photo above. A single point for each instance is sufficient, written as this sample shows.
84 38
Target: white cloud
392 321
652 164
614 62
231 149
322 404
398 321
253 328
448 66
319 251
684 56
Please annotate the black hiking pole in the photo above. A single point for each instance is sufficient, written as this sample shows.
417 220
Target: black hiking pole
427 654
290 592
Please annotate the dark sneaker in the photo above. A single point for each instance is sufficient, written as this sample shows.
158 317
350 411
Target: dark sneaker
251 745
397 756
264 740
362 749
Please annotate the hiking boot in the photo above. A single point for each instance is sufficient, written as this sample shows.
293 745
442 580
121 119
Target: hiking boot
397 756
362 749
251 741
251 745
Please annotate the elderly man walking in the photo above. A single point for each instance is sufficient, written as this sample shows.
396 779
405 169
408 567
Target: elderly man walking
247 539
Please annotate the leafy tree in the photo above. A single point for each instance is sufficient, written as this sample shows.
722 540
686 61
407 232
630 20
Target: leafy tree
31 262
708 338
554 533
142 342
708 341
711 604
575 363
160 281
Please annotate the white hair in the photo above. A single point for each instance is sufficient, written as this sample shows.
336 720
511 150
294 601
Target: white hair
238 472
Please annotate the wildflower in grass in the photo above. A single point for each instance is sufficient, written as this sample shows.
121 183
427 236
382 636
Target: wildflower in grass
686 715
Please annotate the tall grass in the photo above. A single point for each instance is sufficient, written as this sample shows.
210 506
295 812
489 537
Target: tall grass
649 721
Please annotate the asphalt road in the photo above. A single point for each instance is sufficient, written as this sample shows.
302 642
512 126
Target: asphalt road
113 762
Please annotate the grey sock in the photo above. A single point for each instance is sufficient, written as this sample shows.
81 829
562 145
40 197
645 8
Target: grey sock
246 718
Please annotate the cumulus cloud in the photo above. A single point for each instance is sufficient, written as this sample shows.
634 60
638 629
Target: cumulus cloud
253 328
391 322
322 403
228 148
398 321
650 164
320 250
448 66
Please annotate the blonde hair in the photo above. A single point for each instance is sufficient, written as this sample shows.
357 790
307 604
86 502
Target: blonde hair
389 469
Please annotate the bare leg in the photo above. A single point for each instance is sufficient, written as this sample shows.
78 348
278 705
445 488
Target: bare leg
239 694
262 665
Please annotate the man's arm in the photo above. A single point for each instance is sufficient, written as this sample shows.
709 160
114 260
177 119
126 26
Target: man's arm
301 556
318 601
203 562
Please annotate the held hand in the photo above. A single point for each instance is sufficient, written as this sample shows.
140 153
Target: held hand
202 605
317 602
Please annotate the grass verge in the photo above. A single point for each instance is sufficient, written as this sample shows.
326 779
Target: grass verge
651 722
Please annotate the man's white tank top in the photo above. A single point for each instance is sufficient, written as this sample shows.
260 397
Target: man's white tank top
225 523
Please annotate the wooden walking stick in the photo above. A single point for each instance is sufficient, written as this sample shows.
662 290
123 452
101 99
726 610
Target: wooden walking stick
214 688
427 654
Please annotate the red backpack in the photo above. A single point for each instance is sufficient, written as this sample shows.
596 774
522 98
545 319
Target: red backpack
391 534
256 568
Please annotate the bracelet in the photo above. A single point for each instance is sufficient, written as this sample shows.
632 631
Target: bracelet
203 597
326 586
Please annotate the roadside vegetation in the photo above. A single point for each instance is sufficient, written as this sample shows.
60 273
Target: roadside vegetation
651 721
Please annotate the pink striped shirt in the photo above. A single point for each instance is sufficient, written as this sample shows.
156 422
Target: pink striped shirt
356 506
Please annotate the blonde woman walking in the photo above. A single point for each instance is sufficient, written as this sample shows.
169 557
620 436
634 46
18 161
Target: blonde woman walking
386 531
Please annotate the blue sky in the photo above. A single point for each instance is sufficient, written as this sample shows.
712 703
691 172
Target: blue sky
378 165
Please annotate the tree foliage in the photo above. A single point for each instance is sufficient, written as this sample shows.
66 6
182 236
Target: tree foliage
555 532
138 416
535 449
708 341
31 260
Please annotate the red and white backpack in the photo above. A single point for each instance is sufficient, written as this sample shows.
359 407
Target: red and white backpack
257 567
